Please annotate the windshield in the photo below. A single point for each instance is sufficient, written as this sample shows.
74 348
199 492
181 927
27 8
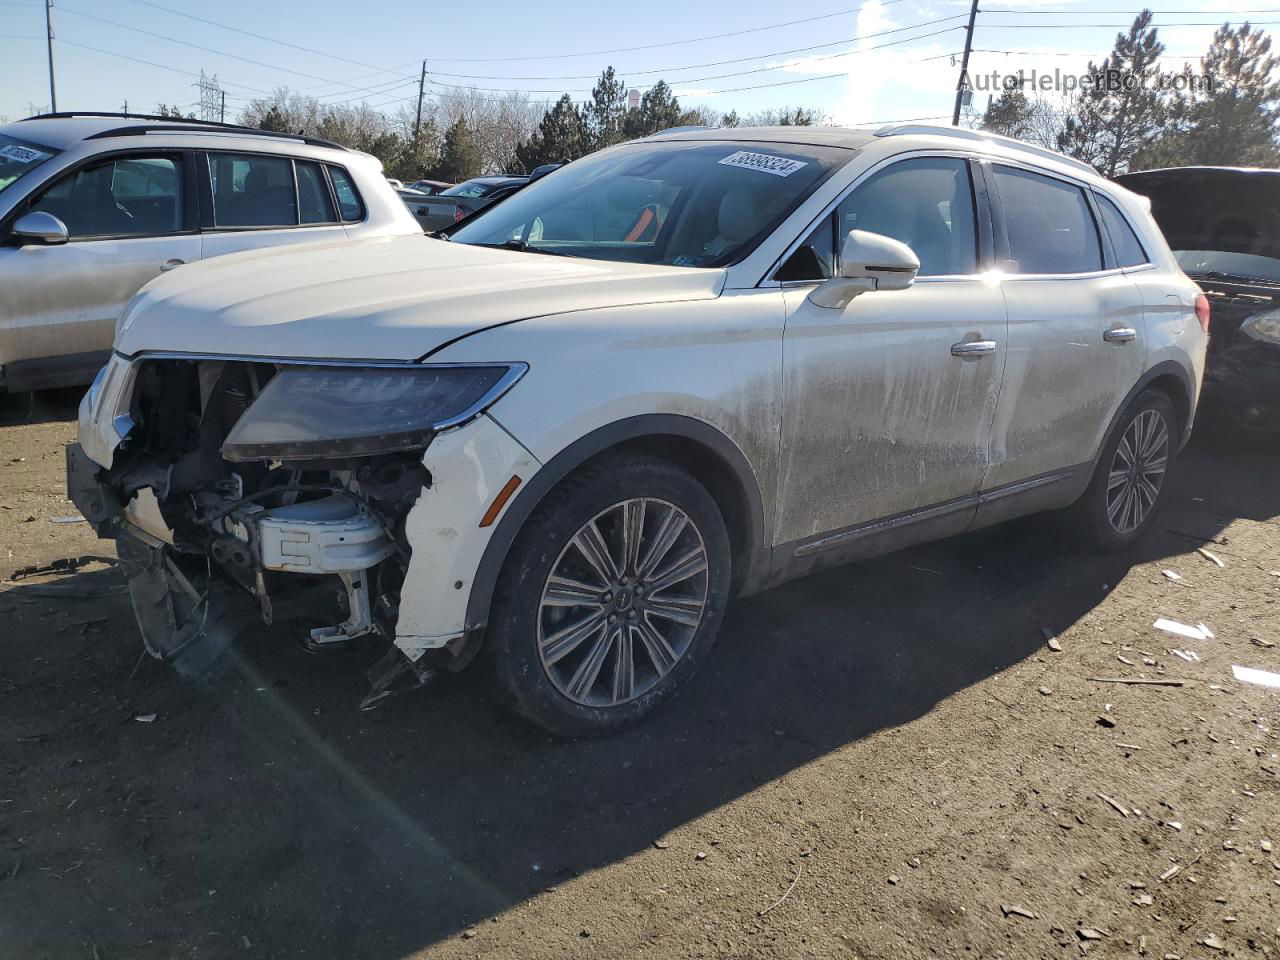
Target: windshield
691 203
471 188
17 157
1198 263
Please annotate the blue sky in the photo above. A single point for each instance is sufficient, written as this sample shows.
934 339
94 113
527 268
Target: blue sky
883 60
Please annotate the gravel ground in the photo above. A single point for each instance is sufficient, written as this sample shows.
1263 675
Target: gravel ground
883 761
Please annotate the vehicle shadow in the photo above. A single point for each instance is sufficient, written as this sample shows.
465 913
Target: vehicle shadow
41 406
266 807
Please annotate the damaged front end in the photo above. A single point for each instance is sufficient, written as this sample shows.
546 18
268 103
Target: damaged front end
248 491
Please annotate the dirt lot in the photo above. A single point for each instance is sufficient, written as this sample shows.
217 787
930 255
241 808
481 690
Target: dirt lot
893 746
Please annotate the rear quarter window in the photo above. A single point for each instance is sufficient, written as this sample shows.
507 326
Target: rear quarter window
1128 248
350 206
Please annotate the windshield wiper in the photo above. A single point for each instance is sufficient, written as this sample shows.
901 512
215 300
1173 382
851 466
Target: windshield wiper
523 246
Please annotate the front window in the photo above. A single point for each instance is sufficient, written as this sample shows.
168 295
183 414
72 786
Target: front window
692 203
18 157
126 197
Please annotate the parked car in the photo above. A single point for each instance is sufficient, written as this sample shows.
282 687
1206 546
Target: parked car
679 370
396 185
1222 225
461 200
92 206
430 187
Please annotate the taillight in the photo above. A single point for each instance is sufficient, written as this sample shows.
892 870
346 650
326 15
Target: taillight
1203 311
459 213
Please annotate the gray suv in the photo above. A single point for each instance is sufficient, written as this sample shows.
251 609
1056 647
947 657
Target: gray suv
92 206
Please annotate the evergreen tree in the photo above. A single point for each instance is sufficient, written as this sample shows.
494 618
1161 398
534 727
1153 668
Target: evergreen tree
658 110
1111 120
1008 114
561 136
603 116
730 119
459 157
1233 119
274 120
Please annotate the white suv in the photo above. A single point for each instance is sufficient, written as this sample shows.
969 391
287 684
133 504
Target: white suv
92 206
672 372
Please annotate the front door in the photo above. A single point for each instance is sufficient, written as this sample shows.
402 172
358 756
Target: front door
888 402
128 221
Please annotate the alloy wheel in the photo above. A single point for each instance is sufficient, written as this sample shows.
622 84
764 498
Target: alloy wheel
622 602
1137 471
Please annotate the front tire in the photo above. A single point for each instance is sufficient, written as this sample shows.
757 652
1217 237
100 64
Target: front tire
1124 496
611 596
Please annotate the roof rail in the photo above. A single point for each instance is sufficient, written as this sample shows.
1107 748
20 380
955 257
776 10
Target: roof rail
179 125
981 136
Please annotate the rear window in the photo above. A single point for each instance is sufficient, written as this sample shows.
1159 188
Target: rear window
1128 247
471 188
1050 226
18 157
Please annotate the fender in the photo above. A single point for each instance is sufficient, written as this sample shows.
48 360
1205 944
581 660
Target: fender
1164 368
755 558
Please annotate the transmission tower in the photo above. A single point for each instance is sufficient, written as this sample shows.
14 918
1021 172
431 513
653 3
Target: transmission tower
211 100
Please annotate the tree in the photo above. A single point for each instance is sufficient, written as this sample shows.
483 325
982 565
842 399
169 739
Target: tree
1230 113
730 119
603 116
658 110
1014 114
1121 111
459 158
164 110
274 120
561 136
784 117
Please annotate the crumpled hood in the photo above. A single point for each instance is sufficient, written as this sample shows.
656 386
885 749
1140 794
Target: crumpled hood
384 298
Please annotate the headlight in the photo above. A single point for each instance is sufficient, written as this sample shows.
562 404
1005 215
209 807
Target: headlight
307 413
1263 326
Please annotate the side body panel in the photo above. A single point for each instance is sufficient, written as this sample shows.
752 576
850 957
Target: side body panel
879 418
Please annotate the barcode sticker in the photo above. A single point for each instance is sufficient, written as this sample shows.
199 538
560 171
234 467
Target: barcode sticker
12 151
764 162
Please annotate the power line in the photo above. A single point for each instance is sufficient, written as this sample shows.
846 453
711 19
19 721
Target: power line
714 63
723 76
1085 26
197 46
654 46
151 63
1117 13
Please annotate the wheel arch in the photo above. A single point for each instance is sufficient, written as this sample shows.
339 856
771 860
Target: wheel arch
1172 379
709 456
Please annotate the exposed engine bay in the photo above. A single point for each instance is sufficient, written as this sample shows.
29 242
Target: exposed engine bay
215 535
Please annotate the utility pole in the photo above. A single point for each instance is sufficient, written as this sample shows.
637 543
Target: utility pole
963 83
48 34
417 119
223 111
126 108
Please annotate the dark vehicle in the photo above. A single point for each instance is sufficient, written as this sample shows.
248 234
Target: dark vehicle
460 201
1223 225
429 187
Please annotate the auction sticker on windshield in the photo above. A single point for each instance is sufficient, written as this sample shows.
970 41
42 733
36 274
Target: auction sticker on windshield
764 162
12 151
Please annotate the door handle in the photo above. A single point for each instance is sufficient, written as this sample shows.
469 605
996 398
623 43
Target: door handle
973 348
1120 335
170 264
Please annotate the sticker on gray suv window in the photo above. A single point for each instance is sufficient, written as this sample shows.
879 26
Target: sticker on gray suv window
12 151
764 162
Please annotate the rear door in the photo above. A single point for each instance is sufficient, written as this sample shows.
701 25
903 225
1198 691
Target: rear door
254 200
129 217
1076 340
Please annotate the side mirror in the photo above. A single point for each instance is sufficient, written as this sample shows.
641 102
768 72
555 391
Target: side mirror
40 227
868 261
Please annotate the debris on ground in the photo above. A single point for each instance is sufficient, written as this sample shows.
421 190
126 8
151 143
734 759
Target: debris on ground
1198 632
1263 678
1116 804
1010 910
1211 557
785 895
1172 575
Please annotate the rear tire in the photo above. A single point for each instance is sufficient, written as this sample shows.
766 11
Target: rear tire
1129 481
610 598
